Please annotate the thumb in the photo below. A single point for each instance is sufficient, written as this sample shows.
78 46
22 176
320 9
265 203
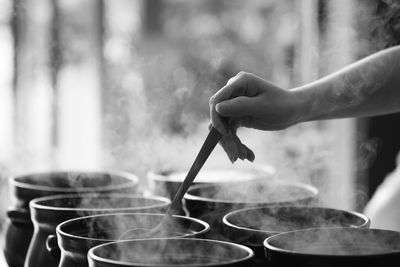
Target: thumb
235 107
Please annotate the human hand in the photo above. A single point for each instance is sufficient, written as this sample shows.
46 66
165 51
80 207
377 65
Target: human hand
250 101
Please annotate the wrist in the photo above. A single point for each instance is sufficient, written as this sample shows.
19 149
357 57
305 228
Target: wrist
303 105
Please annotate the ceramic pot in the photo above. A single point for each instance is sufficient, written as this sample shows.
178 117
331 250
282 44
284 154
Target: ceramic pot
251 226
48 212
170 252
24 188
166 183
211 202
330 247
77 236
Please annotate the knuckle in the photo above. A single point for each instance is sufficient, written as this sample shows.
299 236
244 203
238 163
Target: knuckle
242 75
211 100
231 80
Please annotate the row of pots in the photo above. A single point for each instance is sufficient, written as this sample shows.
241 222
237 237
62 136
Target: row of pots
304 248
283 242
19 228
25 188
224 223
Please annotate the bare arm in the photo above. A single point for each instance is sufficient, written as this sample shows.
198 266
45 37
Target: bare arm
368 87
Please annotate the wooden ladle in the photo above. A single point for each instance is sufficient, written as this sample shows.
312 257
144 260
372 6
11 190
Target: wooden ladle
208 146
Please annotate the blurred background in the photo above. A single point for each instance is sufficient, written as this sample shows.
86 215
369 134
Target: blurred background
102 84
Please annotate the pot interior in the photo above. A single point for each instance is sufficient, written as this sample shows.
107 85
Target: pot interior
336 242
252 192
288 218
112 226
161 252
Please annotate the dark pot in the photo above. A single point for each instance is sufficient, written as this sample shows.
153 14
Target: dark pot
211 202
166 183
77 236
252 226
333 247
170 252
48 212
24 188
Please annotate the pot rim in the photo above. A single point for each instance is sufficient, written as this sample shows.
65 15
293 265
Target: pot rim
132 179
125 263
226 222
61 233
35 203
275 249
310 188
260 169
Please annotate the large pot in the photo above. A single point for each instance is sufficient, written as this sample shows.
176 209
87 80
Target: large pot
77 236
48 212
330 247
170 252
211 202
24 188
166 183
251 226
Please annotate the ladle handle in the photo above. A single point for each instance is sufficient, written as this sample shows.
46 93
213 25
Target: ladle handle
208 146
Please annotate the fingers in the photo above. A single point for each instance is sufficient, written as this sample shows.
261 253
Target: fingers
216 120
243 84
224 93
236 107
236 150
234 147
236 86
230 148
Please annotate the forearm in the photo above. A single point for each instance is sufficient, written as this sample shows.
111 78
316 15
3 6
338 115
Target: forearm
368 87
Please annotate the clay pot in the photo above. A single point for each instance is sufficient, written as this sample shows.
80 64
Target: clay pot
170 252
24 188
251 226
48 212
211 202
166 183
77 236
330 247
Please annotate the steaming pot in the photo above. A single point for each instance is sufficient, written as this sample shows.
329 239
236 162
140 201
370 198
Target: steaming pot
212 201
251 226
166 183
24 188
170 252
330 247
77 236
48 212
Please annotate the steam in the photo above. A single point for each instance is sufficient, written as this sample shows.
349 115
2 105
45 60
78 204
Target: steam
173 251
337 241
256 224
266 191
70 206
